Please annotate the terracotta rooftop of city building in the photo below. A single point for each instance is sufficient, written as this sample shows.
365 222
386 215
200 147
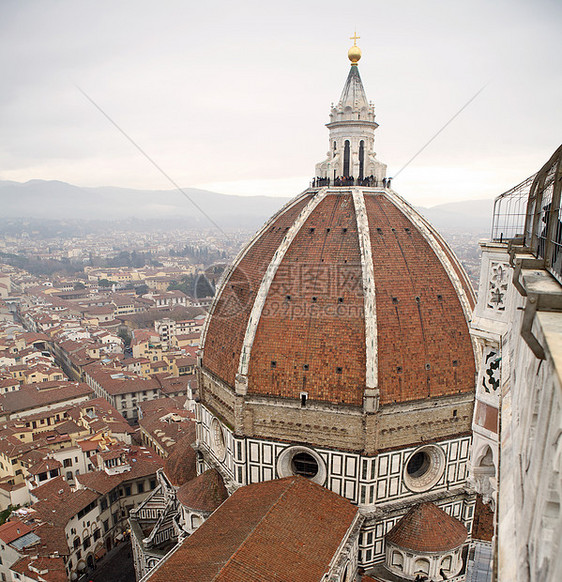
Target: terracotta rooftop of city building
47 568
344 289
427 528
12 530
42 394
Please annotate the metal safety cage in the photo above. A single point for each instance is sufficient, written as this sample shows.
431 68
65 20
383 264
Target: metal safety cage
543 224
510 208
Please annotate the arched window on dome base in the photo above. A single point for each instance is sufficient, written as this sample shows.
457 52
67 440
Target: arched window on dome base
361 159
346 156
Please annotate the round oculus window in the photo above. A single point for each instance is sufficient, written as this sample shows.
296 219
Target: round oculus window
305 465
418 464
302 461
424 468
219 444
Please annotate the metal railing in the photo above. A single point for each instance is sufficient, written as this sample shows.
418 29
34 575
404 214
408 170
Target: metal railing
543 224
341 181
532 210
510 211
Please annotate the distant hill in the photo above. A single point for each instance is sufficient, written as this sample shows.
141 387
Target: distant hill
466 215
49 200
58 200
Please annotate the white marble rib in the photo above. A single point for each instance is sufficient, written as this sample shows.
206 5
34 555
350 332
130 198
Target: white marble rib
267 279
368 274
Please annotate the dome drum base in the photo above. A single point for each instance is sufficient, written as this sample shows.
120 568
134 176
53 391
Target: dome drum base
326 424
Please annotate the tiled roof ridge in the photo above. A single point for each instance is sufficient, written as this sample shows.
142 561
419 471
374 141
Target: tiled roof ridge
290 484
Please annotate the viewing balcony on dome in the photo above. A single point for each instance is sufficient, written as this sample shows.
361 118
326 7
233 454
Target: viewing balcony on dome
342 181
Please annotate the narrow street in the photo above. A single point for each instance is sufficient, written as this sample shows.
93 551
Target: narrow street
117 566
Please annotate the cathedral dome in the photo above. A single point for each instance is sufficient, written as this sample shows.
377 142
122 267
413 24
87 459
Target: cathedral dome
345 293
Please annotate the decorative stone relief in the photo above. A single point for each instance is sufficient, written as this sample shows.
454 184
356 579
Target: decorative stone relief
483 476
491 374
219 443
497 286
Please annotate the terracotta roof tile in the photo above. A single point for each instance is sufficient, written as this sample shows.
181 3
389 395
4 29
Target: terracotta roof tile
57 510
53 539
180 465
42 569
483 526
44 465
53 488
142 462
283 530
310 335
12 530
204 493
42 394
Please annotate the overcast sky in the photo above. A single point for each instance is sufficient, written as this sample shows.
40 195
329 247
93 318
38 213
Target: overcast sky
233 96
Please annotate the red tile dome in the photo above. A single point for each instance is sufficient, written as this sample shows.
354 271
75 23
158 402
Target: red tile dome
343 291
204 493
427 528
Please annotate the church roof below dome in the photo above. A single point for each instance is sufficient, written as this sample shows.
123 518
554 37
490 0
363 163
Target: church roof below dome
344 290
427 528
241 540
180 465
204 493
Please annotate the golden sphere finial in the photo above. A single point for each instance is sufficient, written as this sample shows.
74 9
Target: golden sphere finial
354 53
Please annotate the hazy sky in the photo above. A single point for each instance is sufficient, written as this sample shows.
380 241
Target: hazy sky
233 96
